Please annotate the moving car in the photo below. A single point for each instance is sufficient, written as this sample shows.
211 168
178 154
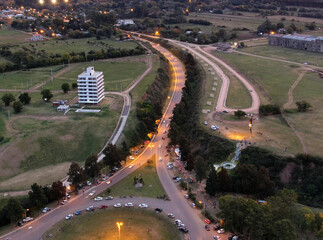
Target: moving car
143 205
131 165
129 204
117 205
69 216
98 199
92 193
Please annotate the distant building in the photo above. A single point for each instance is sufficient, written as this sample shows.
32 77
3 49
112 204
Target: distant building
297 41
63 108
123 22
90 86
37 37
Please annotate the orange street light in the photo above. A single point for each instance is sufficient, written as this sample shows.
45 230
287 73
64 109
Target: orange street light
53 1
131 10
156 33
119 224
41 1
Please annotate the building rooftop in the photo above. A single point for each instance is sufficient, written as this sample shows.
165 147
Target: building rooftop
302 37
90 72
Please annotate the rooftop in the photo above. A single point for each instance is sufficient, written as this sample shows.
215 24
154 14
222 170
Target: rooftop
302 37
90 72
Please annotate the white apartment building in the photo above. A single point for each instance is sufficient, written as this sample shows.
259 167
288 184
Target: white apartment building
90 86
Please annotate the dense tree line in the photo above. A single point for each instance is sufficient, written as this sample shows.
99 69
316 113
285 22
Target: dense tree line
149 109
200 22
278 218
198 148
28 59
269 109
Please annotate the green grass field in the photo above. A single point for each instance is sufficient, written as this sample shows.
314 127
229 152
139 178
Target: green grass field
76 45
117 75
289 54
275 78
101 225
26 79
12 36
152 186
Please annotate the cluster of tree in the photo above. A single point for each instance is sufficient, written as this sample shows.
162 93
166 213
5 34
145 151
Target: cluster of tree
185 129
246 179
267 27
28 59
15 209
303 106
149 109
24 99
269 109
175 20
277 218
92 168
200 22
304 172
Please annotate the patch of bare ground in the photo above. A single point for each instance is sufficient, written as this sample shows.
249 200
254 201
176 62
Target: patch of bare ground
286 174
67 137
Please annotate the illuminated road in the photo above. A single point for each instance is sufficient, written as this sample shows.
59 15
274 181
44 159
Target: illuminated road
178 204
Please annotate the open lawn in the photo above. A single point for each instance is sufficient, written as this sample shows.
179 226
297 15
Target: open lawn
289 54
41 137
101 225
10 36
273 79
118 75
27 79
152 186
76 45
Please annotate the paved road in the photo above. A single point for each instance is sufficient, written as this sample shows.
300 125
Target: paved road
178 204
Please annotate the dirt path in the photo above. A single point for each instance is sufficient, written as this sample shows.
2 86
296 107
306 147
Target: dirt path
290 92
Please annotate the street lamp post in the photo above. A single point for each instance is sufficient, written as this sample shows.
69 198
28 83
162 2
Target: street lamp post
119 224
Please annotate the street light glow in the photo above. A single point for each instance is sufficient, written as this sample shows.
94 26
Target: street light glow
41 1
119 224
53 1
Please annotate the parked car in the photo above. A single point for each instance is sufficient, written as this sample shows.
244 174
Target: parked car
79 212
207 227
208 221
98 199
90 208
117 205
88 183
216 238
178 222
158 210
183 229
186 196
103 207
143 205
131 165
129 204
69 216
109 198
64 202
216 227
131 158
170 215
220 231
68 196
27 219
46 209
205 122
20 224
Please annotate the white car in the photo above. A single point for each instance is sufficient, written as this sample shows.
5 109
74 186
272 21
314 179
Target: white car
88 183
170 215
216 237
46 209
69 216
92 193
68 196
129 204
109 198
143 205
160 159
205 122
98 199
131 165
64 202
90 208
221 231
27 219
117 205
131 158
178 222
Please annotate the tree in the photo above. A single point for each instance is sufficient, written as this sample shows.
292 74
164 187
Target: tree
74 85
112 156
14 209
37 196
24 98
46 95
200 168
246 178
65 87
303 106
211 183
17 106
75 174
57 191
8 98
239 114
190 162
92 167
284 230
224 181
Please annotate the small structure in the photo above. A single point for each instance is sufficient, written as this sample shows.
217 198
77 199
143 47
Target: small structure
37 37
90 86
63 108
124 22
